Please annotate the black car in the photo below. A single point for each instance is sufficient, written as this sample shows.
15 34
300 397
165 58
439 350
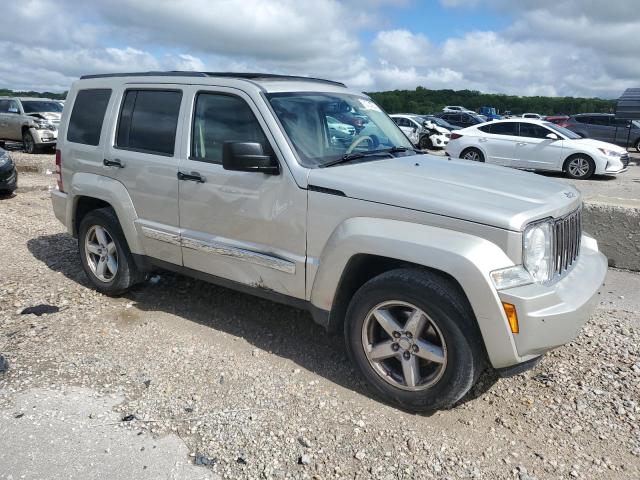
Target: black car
461 119
8 173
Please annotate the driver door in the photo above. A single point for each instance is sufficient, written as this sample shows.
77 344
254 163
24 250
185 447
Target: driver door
535 151
247 227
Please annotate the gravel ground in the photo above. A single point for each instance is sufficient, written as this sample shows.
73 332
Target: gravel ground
257 390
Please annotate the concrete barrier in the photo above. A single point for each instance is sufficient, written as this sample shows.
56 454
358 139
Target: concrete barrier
615 223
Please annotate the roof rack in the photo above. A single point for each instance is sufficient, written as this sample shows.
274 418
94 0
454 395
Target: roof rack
244 75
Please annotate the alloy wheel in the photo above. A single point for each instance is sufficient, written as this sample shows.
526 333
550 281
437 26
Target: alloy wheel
101 253
472 155
578 167
404 346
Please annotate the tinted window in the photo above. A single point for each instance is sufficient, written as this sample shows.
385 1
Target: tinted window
602 120
531 130
4 106
581 119
506 128
87 116
221 118
148 121
621 123
502 128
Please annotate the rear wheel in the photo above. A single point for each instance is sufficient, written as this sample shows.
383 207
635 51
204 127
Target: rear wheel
410 336
104 253
472 154
28 142
580 167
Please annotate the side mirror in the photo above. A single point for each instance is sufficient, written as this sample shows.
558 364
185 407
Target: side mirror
552 136
248 157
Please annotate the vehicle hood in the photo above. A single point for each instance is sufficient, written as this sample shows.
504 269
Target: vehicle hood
477 192
53 117
598 144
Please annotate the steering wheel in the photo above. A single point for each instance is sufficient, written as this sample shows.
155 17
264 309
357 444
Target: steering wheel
357 142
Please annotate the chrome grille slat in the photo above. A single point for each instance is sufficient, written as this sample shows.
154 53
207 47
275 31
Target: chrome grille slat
567 233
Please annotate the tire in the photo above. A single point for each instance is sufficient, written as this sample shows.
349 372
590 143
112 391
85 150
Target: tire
425 143
28 142
453 338
113 281
579 167
472 154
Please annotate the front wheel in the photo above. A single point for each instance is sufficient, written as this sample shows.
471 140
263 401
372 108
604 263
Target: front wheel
425 143
411 337
28 142
580 167
104 253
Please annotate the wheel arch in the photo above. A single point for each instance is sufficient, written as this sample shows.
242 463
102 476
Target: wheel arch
362 248
89 192
578 154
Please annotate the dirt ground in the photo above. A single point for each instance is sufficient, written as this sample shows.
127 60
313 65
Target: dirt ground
257 390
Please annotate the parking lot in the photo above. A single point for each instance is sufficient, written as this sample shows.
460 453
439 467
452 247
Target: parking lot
182 379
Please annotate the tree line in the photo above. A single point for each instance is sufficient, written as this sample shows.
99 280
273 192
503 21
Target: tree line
424 101
4 92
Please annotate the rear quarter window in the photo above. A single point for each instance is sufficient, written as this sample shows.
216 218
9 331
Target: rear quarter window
87 116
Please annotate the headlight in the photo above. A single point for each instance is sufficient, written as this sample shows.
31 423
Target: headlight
537 252
610 153
4 159
44 125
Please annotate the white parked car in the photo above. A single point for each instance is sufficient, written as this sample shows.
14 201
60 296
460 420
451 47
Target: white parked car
534 116
456 109
537 145
423 133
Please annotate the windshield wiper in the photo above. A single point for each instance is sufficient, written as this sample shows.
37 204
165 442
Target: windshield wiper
369 153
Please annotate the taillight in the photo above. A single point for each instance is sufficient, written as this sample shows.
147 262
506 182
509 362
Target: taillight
59 170
455 136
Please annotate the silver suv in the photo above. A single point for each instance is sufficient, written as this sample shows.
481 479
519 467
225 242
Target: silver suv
32 121
435 269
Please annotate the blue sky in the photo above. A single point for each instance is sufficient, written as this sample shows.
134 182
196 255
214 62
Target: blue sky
528 47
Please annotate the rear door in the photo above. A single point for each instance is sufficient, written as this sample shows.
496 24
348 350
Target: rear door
4 113
535 151
247 227
499 142
142 155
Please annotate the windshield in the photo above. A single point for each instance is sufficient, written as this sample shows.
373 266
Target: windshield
561 130
324 127
37 106
440 122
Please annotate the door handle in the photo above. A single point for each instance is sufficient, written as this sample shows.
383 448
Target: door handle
192 177
112 163
482 140
521 144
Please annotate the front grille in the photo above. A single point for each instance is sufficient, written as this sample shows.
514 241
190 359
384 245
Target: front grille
624 158
567 232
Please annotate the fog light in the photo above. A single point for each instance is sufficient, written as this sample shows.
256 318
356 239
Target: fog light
512 316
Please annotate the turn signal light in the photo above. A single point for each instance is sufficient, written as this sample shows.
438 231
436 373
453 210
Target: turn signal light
512 316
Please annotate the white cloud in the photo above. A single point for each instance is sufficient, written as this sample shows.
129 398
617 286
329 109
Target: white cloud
552 47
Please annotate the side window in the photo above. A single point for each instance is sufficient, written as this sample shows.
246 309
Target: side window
581 119
221 118
396 120
504 128
4 106
600 120
617 122
148 121
531 130
87 116
13 107
486 128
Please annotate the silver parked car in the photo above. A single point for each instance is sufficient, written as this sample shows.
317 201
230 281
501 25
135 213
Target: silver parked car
435 269
32 121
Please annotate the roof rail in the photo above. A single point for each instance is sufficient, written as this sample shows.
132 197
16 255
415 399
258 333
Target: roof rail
241 75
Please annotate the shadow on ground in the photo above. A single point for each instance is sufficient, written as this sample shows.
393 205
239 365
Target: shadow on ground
285 331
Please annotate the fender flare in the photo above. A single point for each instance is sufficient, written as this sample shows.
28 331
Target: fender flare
115 194
467 258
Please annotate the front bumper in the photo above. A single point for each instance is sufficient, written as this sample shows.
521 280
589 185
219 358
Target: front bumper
45 137
552 315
